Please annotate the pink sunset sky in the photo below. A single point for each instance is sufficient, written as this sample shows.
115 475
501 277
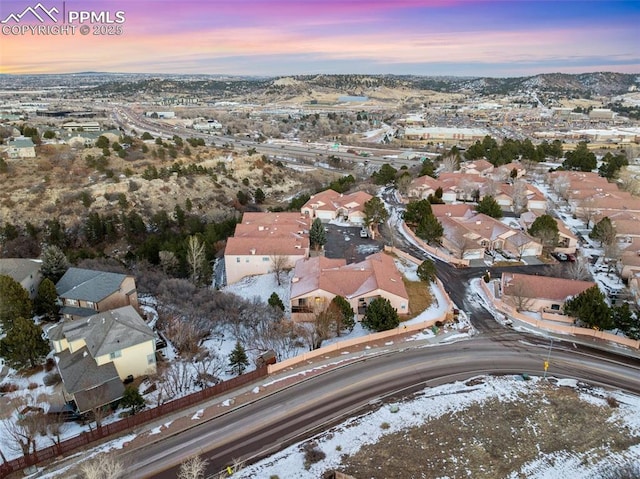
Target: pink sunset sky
260 37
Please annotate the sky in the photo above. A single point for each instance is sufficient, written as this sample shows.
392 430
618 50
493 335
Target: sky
293 37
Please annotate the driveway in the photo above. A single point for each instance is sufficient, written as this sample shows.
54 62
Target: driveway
345 242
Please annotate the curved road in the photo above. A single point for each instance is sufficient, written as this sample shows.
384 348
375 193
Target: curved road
262 427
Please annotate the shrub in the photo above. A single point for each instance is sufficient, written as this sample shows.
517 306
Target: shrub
612 402
385 425
8 387
32 386
51 379
312 454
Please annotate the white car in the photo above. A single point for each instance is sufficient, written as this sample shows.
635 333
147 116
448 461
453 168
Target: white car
364 233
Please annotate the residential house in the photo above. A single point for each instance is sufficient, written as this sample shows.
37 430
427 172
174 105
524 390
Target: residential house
470 236
316 281
535 293
263 242
84 292
476 167
630 259
24 271
567 241
330 205
21 147
95 354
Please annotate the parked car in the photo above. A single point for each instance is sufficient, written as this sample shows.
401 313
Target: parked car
561 256
364 233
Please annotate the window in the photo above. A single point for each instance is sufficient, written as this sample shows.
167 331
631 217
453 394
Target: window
265 258
115 354
237 260
555 307
151 358
72 302
91 305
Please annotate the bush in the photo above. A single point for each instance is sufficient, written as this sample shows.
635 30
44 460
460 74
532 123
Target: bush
51 379
32 386
385 425
8 387
312 454
612 402
49 364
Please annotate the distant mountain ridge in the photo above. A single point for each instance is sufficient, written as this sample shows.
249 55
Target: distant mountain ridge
580 85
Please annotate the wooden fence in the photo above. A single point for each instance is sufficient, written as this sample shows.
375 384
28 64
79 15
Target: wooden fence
147 415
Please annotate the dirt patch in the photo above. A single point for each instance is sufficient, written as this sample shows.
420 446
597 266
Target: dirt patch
420 297
493 439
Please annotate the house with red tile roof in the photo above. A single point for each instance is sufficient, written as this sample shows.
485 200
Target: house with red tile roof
330 205
527 292
263 239
316 281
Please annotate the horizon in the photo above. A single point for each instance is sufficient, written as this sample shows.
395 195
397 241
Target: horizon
438 38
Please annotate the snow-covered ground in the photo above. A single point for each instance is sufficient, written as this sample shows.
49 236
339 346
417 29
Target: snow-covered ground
347 438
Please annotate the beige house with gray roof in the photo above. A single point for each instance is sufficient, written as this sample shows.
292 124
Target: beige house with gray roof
97 353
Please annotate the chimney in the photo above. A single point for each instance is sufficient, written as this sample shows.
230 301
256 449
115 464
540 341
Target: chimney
253 251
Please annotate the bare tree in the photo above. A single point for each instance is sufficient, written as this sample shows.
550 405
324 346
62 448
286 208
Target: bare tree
560 186
461 242
586 210
208 366
184 335
628 180
195 259
168 262
519 197
103 466
518 298
22 433
579 269
450 163
320 327
175 380
279 265
193 468
490 188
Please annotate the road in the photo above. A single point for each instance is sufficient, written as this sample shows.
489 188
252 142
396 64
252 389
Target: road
265 426
128 120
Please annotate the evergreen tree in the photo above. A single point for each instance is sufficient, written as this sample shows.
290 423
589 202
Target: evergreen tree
317 235
54 263
580 159
23 345
430 230
238 359
375 212
132 399
384 176
14 302
545 229
259 196
591 308
381 316
604 231
427 271
490 207
416 211
46 302
345 314
275 301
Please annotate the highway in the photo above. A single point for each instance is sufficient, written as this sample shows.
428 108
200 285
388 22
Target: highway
265 426
129 120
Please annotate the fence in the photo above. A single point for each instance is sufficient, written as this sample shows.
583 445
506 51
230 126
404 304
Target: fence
558 328
129 422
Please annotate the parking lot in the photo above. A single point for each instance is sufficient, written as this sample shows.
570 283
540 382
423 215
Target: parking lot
345 242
